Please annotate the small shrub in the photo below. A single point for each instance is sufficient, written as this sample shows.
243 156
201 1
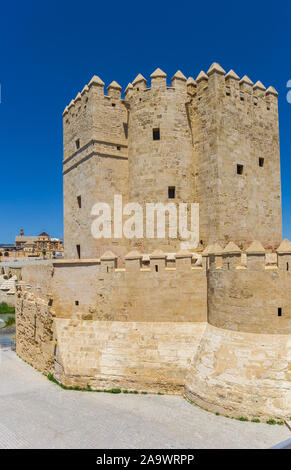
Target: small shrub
9 321
125 391
242 419
256 420
281 423
217 414
115 390
271 421
144 393
160 393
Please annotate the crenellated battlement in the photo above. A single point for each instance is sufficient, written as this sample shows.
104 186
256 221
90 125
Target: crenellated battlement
242 89
255 257
229 85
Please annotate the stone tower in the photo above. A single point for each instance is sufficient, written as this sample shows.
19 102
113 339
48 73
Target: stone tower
95 163
212 141
236 158
160 150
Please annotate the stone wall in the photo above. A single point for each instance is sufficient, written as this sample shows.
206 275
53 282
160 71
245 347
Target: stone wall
101 291
143 326
150 356
255 297
35 341
242 374
98 314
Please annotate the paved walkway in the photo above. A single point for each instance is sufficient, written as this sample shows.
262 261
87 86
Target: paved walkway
35 413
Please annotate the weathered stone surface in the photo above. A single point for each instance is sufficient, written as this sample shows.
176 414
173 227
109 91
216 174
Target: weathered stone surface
241 374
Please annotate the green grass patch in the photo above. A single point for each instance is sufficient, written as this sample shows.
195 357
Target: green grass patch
242 418
256 420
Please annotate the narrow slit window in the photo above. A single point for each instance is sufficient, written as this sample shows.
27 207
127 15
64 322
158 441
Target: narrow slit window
157 268
261 162
239 169
287 266
280 312
171 192
77 144
156 134
76 302
78 247
79 201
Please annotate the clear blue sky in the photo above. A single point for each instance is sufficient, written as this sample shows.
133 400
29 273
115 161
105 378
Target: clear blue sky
50 50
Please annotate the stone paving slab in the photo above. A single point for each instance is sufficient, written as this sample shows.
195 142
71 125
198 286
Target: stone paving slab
35 413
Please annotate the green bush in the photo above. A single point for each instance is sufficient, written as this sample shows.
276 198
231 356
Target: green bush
4 308
271 421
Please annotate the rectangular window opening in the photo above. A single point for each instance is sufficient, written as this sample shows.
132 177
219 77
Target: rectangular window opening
156 134
171 192
287 266
239 169
157 268
261 162
79 200
279 312
78 247
77 144
76 302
